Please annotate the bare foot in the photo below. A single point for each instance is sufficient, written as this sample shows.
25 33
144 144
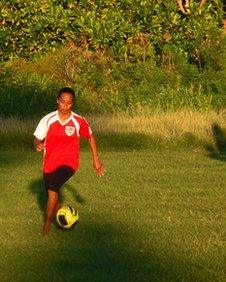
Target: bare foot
46 227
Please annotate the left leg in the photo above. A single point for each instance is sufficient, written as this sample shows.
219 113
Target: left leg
62 174
53 182
52 204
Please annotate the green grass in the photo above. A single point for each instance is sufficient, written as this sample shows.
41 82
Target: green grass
157 215
141 129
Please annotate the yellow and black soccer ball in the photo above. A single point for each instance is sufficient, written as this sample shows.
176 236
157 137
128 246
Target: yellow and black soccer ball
67 217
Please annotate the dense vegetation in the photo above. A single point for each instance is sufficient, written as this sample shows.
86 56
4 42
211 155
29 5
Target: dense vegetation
128 29
103 84
153 72
116 54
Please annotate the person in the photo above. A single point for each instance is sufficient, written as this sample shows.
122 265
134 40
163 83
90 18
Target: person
57 135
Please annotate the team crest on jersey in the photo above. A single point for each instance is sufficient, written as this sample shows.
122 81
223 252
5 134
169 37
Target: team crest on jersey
69 130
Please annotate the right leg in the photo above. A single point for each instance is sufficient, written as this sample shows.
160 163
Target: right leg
54 180
52 205
58 206
62 174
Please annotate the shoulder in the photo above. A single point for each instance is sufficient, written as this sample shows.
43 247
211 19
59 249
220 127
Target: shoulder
74 115
42 128
84 128
79 118
49 117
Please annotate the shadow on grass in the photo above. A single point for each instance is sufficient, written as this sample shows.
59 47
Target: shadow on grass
16 141
218 150
9 159
38 189
12 157
96 252
114 142
189 140
110 141
125 141
104 255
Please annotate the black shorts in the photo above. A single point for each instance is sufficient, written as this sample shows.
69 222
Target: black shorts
54 180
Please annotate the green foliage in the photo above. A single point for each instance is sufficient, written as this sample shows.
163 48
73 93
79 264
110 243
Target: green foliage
130 30
31 26
27 96
104 84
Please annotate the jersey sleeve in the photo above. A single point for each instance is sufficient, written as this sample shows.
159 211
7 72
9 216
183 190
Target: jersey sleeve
85 130
41 129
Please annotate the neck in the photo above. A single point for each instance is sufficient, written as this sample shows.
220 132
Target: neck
63 116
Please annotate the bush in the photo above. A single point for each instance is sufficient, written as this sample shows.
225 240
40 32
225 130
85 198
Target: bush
27 96
104 84
129 30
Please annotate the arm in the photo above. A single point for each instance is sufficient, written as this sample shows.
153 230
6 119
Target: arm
38 144
40 133
98 167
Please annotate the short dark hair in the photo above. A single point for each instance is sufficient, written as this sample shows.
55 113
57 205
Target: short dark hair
66 90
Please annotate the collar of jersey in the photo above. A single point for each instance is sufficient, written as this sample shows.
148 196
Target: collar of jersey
66 121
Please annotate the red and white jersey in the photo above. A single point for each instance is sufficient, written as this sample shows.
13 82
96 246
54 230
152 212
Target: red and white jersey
61 140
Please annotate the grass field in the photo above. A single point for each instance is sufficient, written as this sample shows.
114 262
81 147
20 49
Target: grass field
138 129
157 215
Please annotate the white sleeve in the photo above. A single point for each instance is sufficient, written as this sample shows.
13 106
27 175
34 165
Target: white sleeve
41 129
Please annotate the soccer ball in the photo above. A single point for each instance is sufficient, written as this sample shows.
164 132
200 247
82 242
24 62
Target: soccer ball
66 217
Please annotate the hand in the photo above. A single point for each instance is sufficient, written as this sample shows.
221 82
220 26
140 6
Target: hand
98 167
39 147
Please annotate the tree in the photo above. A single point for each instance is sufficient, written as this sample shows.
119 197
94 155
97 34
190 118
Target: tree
184 5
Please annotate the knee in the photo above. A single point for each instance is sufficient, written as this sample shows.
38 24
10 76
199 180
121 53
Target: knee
52 196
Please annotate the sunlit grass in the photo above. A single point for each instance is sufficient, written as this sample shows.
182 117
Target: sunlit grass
182 126
165 125
157 215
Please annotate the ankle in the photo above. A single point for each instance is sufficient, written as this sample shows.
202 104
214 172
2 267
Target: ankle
46 227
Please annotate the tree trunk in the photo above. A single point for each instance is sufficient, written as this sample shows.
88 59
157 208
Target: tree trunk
183 7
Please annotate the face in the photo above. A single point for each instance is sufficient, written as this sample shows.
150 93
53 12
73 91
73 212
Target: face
65 103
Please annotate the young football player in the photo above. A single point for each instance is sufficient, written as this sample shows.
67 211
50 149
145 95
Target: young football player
57 135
